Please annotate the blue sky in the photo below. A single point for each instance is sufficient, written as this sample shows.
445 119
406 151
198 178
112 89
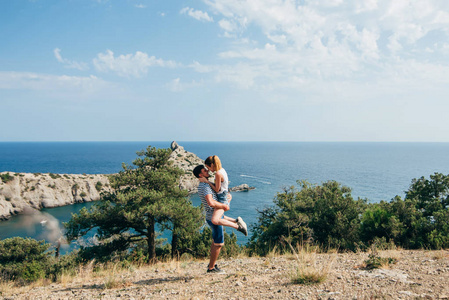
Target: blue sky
224 70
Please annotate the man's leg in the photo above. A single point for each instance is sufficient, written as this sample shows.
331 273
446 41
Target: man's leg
214 253
217 243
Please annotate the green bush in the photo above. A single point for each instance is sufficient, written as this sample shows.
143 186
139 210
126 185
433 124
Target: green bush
6 177
24 259
98 186
326 215
378 221
54 176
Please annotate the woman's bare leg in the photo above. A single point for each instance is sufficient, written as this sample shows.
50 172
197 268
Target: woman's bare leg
229 219
217 220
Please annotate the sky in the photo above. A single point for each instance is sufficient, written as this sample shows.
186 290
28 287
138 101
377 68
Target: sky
224 70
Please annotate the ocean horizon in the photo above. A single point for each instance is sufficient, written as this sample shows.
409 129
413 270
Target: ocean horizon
374 171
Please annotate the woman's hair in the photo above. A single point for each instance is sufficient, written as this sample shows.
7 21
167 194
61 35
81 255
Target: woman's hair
213 160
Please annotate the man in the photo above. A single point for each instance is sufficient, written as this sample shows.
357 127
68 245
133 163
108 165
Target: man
209 200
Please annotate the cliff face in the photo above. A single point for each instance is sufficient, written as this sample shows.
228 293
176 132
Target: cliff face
186 161
19 191
28 190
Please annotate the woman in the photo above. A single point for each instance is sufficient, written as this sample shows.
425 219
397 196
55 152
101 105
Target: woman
220 187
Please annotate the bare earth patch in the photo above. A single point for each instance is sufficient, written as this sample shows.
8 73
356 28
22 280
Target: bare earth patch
416 275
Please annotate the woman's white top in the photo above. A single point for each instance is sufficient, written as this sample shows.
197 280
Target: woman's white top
225 182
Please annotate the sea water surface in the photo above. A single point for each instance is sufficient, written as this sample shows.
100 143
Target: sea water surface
374 171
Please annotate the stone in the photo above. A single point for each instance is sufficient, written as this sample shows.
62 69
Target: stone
241 188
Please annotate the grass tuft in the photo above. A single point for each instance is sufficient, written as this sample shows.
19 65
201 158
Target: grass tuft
307 271
375 261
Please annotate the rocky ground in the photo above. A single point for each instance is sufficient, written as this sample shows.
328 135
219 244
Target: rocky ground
415 275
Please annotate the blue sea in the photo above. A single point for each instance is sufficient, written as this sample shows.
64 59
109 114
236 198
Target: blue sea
374 171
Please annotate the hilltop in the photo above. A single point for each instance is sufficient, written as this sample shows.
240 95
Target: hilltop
418 274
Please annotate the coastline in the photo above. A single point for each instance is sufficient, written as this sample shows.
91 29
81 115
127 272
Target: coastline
33 191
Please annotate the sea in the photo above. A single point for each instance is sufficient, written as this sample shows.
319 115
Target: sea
374 171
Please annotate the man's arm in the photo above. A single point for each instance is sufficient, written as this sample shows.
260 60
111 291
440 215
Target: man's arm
215 204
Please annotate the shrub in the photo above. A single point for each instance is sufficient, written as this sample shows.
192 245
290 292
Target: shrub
98 186
326 215
24 259
54 176
378 221
6 177
375 261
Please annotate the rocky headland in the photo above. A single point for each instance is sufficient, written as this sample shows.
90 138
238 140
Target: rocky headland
22 191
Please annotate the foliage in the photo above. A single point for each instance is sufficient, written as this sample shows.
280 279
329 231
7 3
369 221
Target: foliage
421 220
24 259
54 176
143 194
98 186
378 221
6 177
326 215
375 261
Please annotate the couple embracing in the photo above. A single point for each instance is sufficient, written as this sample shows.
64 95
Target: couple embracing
215 198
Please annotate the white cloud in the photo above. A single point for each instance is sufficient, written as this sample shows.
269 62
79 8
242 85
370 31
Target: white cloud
197 14
47 82
227 25
201 68
68 63
140 6
129 65
331 41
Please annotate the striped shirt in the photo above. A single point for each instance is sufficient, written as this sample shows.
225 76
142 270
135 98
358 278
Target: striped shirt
203 190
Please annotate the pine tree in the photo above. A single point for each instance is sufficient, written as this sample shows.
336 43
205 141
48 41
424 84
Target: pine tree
144 195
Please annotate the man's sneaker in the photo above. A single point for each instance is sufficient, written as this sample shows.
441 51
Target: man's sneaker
216 270
242 226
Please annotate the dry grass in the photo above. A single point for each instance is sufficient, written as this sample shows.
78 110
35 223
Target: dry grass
439 254
308 270
8 287
395 254
380 260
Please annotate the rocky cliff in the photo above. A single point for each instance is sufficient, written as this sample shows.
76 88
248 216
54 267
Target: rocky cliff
19 191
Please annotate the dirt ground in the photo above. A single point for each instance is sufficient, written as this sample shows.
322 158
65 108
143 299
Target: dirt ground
416 275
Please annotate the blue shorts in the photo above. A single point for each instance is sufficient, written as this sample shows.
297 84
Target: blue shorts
217 232
223 198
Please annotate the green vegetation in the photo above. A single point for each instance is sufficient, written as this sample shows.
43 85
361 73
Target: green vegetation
6 177
98 186
54 176
144 195
328 216
325 215
27 260
375 261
